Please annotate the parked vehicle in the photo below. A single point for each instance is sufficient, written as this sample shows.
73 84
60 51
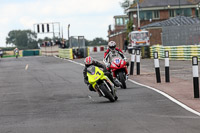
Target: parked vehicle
138 38
119 69
101 83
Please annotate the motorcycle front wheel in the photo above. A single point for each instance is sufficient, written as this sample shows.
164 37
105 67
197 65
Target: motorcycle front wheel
122 80
107 93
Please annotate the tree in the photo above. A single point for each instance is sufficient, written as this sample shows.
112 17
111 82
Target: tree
97 41
125 4
23 39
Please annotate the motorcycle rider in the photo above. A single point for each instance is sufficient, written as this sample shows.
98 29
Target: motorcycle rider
90 61
16 51
112 52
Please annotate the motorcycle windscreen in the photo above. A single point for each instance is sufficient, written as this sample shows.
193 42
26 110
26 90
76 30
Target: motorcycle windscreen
116 61
94 74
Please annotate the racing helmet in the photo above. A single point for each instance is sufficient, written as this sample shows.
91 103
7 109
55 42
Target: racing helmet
88 60
112 45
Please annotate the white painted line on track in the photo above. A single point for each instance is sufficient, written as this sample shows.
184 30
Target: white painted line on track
75 62
156 90
168 96
26 68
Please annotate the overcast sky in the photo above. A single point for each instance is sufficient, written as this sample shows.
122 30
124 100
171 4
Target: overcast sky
89 18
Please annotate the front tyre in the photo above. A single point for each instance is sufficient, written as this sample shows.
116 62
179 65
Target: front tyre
107 93
122 80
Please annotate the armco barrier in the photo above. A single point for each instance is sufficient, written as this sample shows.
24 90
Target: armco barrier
65 53
97 48
102 48
176 52
31 52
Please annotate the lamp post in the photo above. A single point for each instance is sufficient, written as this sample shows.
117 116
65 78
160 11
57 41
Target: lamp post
138 12
198 6
68 36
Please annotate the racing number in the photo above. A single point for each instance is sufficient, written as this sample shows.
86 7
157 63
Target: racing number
98 73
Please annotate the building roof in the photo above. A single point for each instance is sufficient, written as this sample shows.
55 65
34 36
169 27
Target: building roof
161 3
121 16
178 20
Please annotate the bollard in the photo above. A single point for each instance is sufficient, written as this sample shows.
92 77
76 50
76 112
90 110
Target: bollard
157 67
195 76
138 61
132 62
167 78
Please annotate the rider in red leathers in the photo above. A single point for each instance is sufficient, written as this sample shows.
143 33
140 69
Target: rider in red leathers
112 52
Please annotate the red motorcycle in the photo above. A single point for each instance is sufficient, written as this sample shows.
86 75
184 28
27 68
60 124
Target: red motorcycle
119 69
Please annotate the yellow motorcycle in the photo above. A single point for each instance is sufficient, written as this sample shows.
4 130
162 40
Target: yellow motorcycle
101 83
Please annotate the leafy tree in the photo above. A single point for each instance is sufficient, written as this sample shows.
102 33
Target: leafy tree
129 28
23 39
125 3
97 42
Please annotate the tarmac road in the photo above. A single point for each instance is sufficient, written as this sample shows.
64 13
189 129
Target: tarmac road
47 95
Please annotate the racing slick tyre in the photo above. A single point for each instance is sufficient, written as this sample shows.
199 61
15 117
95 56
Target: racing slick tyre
122 80
107 93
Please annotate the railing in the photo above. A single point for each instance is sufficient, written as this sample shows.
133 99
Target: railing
184 52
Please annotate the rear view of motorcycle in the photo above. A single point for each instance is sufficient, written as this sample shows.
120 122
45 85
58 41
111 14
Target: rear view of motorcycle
101 83
119 69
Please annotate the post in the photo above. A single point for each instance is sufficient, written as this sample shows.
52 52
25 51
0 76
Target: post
138 61
132 61
157 67
138 12
167 78
195 76
68 36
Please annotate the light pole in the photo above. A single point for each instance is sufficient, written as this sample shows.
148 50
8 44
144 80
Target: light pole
138 12
198 6
68 36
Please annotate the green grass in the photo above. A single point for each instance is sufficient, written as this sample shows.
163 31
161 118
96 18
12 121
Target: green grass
6 56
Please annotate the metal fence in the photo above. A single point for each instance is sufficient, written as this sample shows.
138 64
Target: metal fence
77 43
181 35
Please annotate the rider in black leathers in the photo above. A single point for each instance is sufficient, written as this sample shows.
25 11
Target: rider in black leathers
89 61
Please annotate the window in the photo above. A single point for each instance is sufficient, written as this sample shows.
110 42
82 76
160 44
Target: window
145 15
125 21
178 12
187 12
156 14
171 13
119 21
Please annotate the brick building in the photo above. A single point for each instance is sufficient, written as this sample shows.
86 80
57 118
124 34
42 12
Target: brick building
151 11
119 32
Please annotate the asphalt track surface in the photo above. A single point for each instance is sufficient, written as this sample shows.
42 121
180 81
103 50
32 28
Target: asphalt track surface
48 95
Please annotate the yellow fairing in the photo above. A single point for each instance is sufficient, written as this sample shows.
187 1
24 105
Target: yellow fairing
98 74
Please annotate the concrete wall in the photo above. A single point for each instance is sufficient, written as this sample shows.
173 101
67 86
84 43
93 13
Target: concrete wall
49 51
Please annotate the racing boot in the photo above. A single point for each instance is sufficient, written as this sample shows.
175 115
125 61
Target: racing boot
117 83
91 88
127 76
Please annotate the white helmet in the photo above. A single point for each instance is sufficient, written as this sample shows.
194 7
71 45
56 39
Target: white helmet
112 45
